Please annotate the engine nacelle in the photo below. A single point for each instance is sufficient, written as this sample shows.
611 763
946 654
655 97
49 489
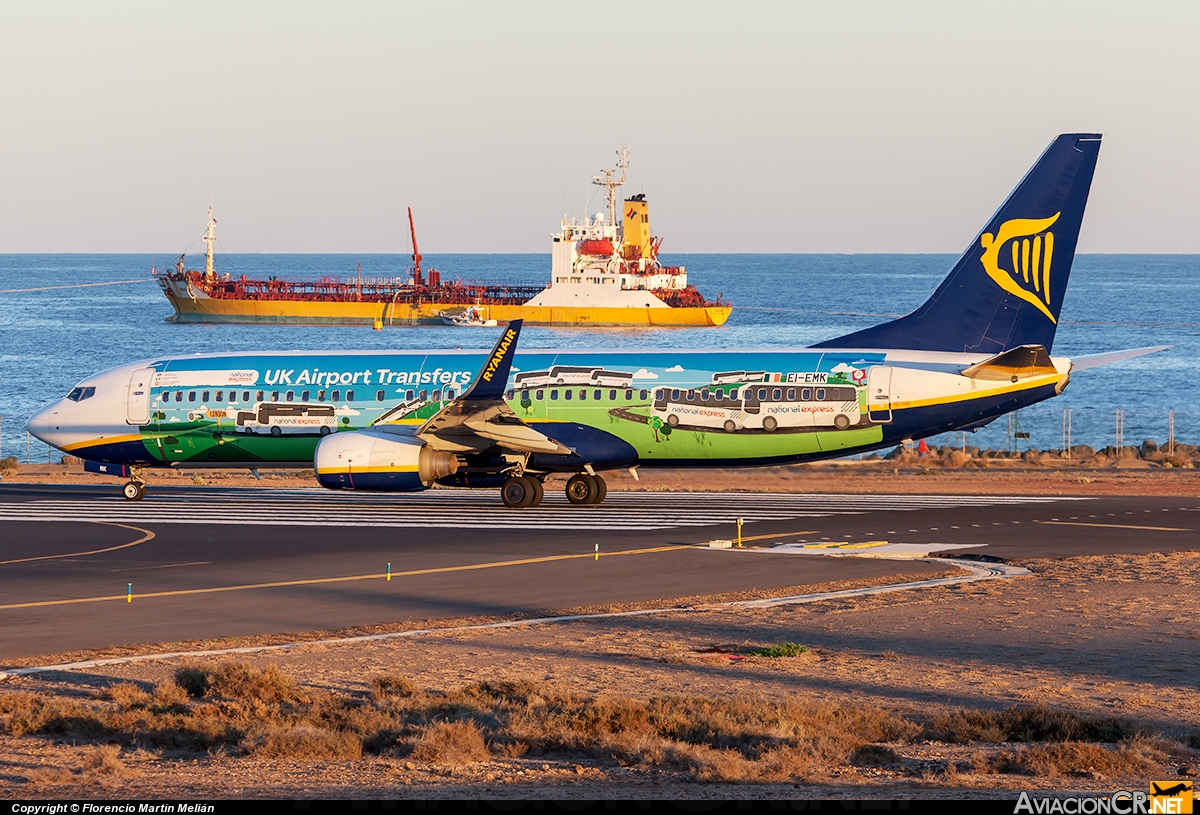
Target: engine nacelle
376 460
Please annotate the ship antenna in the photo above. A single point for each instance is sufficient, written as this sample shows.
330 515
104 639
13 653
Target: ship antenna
416 255
209 238
611 185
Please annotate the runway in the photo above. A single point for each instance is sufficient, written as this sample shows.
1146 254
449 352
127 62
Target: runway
206 562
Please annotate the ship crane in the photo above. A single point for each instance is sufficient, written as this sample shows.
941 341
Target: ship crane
416 255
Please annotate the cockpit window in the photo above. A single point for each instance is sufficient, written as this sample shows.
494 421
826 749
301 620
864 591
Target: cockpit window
79 394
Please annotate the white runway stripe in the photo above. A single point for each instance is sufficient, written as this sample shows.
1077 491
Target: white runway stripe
477 510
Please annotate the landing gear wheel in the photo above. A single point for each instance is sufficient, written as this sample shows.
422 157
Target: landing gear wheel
841 422
134 490
601 489
730 427
673 420
539 491
769 424
581 489
517 492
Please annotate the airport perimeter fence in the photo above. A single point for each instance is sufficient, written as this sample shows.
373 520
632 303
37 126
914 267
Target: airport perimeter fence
1036 428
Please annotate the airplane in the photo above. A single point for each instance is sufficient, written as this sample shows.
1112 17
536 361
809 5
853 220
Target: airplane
404 421
1171 791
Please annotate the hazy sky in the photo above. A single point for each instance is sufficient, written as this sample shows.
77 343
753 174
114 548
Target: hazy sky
756 127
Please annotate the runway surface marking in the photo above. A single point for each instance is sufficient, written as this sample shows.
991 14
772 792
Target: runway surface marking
1116 526
344 579
974 573
146 535
466 510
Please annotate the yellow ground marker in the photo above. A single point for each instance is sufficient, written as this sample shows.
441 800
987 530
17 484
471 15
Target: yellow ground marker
146 535
319 580
779 535
1115 526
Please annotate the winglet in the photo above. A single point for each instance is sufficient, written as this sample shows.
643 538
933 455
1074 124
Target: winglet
492 378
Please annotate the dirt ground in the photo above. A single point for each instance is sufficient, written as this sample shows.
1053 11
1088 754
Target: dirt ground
1103 636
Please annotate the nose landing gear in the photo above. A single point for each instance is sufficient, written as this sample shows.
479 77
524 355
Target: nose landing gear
134 490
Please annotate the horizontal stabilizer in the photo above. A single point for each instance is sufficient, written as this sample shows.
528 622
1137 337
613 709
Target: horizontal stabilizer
1096 360
1027 360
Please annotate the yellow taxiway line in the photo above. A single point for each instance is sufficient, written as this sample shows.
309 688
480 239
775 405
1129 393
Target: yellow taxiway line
1115 526
146 535
320 580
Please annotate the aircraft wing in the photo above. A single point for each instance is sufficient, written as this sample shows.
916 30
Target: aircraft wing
1096 360
481 418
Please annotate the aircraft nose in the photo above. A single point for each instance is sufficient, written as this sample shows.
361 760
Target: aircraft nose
42 427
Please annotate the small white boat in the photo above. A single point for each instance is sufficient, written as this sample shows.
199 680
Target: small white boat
471 316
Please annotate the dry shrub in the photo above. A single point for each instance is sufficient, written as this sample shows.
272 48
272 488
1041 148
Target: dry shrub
22 713
1037 723
237 680
1067 758
169 698
103 760
302 743
128 695
451 744
192 679
875 755
389 687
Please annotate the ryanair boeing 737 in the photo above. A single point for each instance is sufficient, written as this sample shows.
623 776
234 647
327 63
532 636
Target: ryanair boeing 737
403 421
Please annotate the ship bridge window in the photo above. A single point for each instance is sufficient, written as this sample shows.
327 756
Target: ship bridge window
79 394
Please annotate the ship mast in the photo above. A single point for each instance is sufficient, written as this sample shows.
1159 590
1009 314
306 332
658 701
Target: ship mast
611 185
416 255
209 238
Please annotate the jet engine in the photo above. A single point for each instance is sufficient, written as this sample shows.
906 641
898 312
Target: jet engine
381 461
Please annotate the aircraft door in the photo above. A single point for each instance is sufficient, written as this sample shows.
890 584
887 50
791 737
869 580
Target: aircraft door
139 396
879 394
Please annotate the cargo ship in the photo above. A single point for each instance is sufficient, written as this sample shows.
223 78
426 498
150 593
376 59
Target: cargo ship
602 273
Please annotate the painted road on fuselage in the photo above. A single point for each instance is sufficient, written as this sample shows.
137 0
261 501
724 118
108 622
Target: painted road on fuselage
195 556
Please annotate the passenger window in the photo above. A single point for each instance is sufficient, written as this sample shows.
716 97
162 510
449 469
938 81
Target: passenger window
409 395
612 396
450 393
233 396
554 396
178 396
423 395
191 396
274 396
541 395
260 396
378 396
304 396
806 395
820 394
691 395
596 395
582 395
349 396
704 395
791 396
674 394
203 398
643 392
290 396
762 394
718 395
219 396
335 396
508 395
567 394
320 396
245 396
777 394
437 395
629 395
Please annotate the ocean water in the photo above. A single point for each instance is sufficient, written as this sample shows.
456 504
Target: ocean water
51 339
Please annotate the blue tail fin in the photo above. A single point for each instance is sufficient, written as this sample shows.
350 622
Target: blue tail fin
1007 288
493 376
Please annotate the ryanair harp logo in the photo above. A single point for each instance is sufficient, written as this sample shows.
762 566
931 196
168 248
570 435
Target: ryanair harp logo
1032 249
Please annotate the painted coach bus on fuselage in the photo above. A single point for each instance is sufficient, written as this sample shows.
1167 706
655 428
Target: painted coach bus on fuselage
774 406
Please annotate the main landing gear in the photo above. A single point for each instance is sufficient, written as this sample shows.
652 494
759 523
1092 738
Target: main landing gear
134 490
527 491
